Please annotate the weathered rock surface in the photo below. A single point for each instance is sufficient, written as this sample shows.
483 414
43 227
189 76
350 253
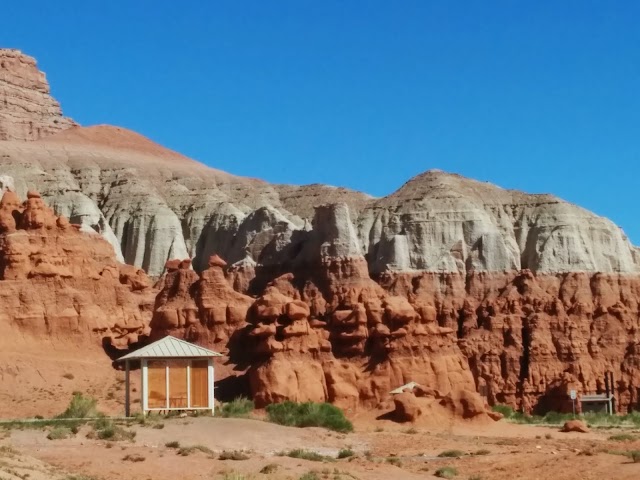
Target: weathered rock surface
27 110
58 284
574 426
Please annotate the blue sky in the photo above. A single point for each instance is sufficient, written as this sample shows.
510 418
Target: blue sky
540 96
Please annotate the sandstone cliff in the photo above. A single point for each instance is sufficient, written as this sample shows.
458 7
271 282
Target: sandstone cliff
27 110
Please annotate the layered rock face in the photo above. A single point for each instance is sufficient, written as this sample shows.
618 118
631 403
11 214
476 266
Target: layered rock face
58 284
27 110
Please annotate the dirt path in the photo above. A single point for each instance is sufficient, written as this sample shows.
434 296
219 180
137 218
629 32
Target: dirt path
500 451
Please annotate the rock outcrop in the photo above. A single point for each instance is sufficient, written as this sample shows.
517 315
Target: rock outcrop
58 284
27 110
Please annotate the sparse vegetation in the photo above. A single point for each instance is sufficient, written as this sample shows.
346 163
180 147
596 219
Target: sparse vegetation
446 472
345 453
635 456
173 444
379 429
115 433
133 457
411 431
306 455
80 407
451 454
186 451
233 455
310 476
557 418
622 437
482 451
394 461
68 376
309 414
270 468
548 436
60 433
240 407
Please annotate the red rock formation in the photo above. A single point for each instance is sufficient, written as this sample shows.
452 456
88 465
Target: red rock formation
57 284
201 308
27 111
529 339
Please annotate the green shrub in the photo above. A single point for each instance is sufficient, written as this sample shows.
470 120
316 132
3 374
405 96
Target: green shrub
234 455
305 455
451 454
59 433
446 472
635 456
240 407
309 414
505 410
80 407
345 453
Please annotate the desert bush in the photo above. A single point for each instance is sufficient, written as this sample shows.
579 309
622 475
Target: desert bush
270 468
115 434
309 414
240 407
68 376
394 461
482 451
133 457
233 455
635 456
173 444
59 433
305 455
451 454
505 410
345 453
446 472
186 451
411 431
80 407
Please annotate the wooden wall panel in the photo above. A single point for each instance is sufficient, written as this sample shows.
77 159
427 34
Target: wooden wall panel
199 383
178 383
157 384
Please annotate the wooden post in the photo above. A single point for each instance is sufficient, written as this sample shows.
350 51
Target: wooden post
144 386
127 407
210 386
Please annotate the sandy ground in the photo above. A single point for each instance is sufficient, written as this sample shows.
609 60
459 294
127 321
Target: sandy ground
511 452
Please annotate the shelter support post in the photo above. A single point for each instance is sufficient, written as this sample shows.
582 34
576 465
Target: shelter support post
144 400
127 403
210 385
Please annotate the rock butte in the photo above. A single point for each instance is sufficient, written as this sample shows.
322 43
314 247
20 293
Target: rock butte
314 292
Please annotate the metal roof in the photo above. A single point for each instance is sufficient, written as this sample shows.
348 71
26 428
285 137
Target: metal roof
170 347
401 389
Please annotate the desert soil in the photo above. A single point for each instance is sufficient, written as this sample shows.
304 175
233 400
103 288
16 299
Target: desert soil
511 451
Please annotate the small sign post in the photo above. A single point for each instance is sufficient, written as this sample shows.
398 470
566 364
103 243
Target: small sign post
573 395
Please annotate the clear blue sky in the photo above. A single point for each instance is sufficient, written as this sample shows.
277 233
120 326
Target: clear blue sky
539 96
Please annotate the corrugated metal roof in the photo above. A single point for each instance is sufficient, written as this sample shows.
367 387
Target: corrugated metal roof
170 347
